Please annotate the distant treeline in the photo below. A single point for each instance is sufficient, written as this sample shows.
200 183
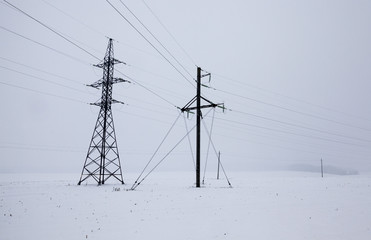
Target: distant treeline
326 169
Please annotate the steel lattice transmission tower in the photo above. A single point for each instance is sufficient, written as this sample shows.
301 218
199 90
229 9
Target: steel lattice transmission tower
102 160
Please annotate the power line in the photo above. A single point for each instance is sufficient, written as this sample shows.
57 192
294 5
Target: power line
76 59
140 100
265 144
51 29
291 133
41 92
150 110
153 73
43 45
147 30
91 28
280 139
55 50
73 18
146 88
292 110
171 35
42 79
141 34
39 149
40 70
290 97
165 90
33 145
156 39
143 117
300 126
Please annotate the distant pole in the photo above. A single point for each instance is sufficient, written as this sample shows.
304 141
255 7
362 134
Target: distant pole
321 167
217 176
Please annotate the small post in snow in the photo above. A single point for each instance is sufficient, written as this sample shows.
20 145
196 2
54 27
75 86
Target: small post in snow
217 175
321 167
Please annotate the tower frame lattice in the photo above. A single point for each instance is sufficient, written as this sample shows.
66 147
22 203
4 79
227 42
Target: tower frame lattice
103 161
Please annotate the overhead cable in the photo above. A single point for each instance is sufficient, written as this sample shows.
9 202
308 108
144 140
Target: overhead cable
292 110
51 29
167 30
41 92
291 133
149 31
43 45
149 42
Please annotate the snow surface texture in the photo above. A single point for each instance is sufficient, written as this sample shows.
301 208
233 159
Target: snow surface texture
274 205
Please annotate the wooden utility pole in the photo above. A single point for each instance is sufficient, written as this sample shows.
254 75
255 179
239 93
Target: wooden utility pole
198 137
188 108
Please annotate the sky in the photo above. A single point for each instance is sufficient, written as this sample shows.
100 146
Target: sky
294 77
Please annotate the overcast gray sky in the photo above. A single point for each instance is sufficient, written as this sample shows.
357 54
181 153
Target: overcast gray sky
295 76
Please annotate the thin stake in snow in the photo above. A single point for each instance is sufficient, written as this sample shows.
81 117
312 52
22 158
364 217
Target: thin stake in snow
217 174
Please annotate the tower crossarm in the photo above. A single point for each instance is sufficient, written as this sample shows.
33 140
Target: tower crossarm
203 106
109 62
99 83
188 108
185 108
119 80
116 101
99 104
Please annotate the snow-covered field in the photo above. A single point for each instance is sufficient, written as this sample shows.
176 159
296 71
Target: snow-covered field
261 205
